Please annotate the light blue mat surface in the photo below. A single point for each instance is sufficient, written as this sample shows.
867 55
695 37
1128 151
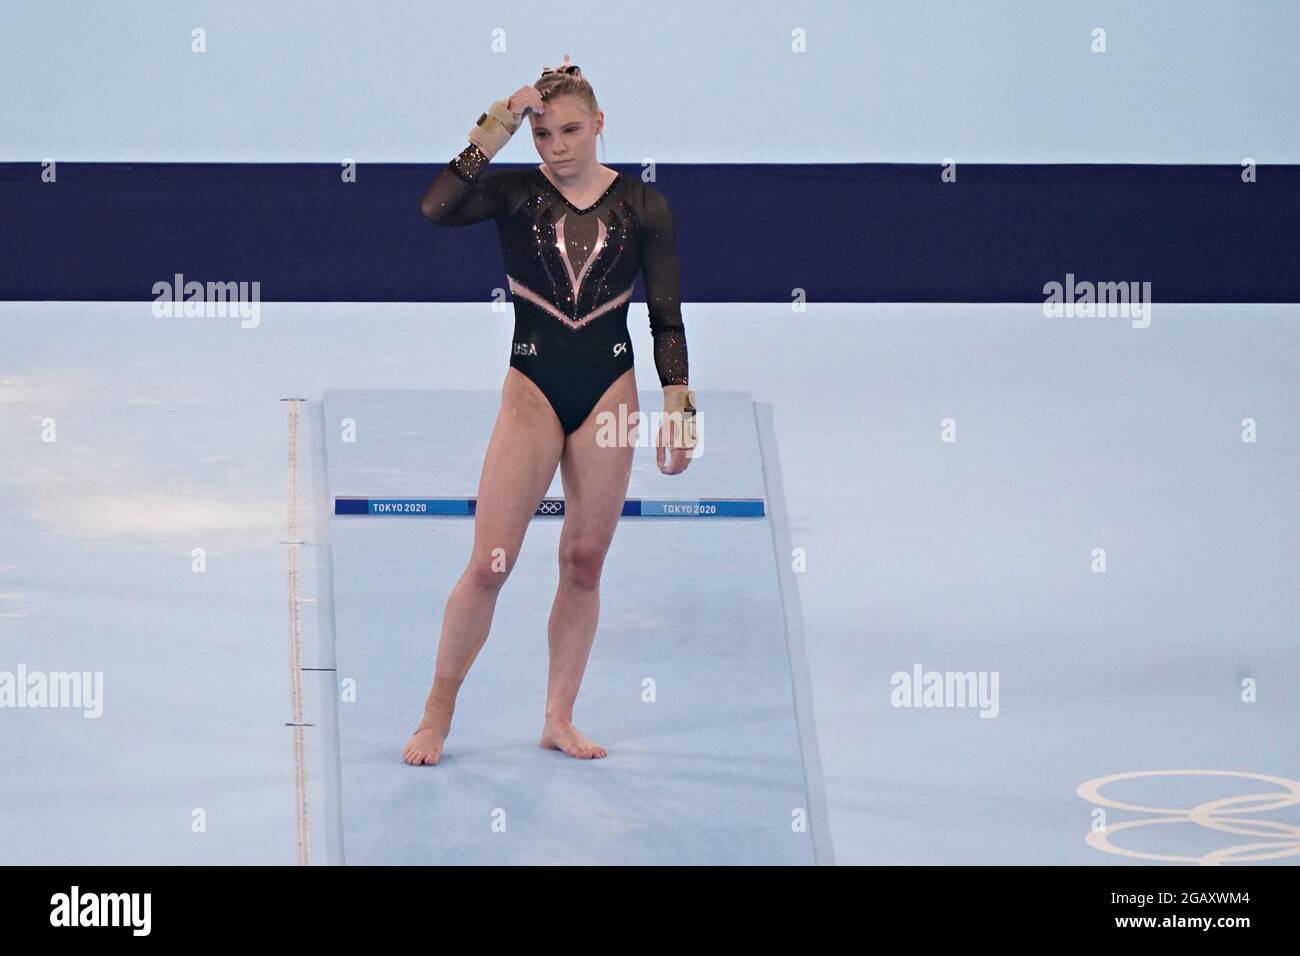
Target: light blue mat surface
689 685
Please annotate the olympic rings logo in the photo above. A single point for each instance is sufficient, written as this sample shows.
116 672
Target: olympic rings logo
1224 815
551 506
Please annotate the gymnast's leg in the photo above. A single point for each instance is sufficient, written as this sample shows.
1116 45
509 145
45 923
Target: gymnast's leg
595 484
520 462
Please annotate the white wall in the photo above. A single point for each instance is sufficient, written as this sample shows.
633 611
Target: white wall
1187 81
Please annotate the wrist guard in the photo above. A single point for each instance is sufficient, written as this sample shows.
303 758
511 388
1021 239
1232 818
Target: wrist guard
679 407
494 128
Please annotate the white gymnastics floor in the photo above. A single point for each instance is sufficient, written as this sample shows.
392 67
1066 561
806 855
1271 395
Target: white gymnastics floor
895 551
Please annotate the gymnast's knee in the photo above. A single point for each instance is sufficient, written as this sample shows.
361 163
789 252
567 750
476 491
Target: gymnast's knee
580 565
488 571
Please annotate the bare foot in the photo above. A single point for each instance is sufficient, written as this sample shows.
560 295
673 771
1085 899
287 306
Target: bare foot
559 734
425 746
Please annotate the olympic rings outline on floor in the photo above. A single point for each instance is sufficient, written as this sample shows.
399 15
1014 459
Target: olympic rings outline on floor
1203 814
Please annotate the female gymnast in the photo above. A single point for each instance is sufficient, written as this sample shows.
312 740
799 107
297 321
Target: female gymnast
573 235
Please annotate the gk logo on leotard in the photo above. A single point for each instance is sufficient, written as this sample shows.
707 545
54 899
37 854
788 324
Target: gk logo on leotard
620 348
525 348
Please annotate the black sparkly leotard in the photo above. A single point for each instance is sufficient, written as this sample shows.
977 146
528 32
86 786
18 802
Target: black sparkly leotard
570 275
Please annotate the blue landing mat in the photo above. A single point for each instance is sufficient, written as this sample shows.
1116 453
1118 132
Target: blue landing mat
689 684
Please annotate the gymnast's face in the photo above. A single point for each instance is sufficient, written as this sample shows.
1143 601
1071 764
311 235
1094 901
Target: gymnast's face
565 135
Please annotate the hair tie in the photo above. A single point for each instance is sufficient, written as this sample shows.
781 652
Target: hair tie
565 67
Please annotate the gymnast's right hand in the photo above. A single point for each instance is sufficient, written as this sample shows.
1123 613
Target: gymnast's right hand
526 98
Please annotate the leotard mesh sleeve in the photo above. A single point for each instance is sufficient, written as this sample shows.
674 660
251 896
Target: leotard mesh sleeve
463 194
663 289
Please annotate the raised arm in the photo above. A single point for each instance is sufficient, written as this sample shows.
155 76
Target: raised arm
462 194
663 289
